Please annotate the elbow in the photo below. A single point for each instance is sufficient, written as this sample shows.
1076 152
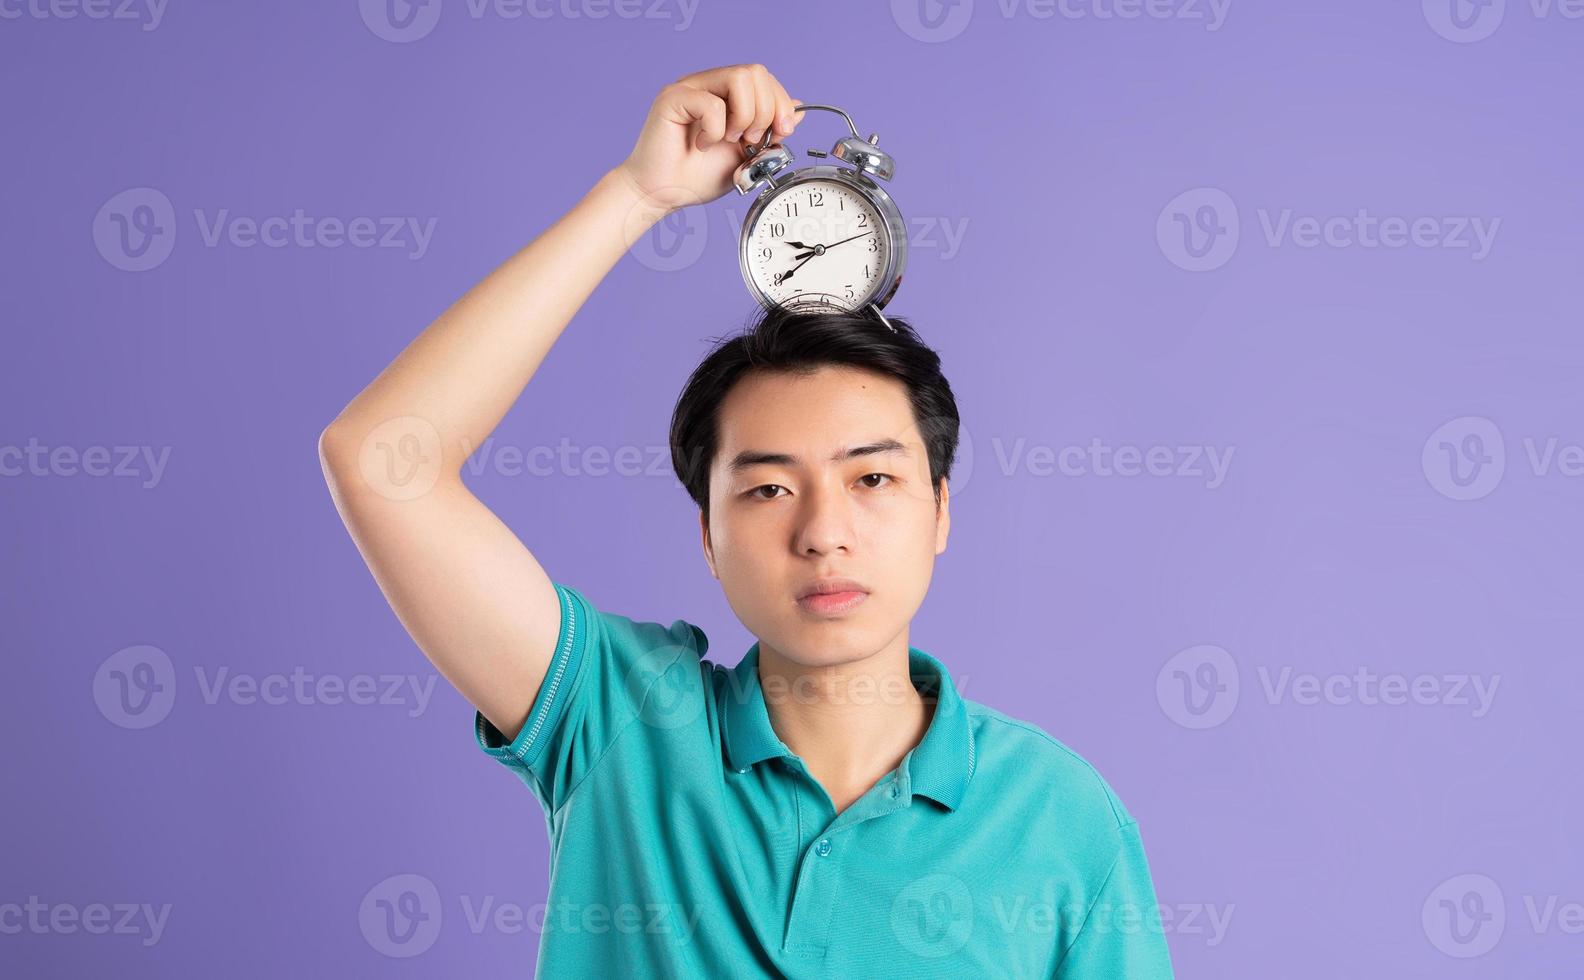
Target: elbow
335 448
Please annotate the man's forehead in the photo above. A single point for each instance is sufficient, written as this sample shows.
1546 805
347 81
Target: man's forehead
821 413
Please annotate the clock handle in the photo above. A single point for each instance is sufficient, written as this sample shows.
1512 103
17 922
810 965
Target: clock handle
769 134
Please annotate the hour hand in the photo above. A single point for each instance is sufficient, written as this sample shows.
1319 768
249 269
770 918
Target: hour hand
798 244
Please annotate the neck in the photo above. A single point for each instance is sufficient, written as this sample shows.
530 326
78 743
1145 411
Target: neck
850 723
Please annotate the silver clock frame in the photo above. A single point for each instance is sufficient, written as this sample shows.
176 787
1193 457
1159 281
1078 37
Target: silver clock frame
771 171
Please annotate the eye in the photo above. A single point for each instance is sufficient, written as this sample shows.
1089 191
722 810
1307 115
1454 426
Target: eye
888 476
768 486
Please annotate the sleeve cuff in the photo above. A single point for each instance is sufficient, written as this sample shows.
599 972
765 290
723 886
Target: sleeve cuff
549 705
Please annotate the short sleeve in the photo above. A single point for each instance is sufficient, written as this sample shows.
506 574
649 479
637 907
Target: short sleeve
1122 935
601 677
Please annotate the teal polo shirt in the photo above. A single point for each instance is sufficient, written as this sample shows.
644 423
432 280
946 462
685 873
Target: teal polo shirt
687 840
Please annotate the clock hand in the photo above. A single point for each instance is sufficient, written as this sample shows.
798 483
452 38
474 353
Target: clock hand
797 244
846 240
818 249
795 268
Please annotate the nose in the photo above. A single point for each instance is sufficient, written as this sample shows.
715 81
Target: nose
825 520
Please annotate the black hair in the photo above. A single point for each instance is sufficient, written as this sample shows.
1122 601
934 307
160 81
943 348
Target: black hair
786 340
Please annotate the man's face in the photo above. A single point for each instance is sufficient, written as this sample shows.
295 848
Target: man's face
776 526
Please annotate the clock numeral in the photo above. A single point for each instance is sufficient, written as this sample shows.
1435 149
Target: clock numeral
777 229
791 209
850 293
777 278
867 273
764 253
863 220
816 199
841 204
874 244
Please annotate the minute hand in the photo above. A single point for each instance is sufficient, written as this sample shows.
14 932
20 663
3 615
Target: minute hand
846 240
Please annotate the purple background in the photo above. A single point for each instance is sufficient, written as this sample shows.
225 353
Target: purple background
1053 146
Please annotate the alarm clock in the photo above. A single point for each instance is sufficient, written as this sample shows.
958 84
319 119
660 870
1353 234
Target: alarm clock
821 237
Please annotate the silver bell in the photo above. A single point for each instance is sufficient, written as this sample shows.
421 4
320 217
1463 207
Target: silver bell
762 166
865 156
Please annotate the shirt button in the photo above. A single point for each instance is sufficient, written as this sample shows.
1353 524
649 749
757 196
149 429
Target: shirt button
823 848
895 789
742 770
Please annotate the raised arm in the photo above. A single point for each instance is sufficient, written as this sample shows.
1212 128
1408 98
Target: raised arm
473 598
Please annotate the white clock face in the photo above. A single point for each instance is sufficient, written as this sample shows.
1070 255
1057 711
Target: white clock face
819 241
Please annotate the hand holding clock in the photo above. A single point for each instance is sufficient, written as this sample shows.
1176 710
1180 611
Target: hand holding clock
693 137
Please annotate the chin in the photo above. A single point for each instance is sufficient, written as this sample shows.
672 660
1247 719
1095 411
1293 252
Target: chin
826 644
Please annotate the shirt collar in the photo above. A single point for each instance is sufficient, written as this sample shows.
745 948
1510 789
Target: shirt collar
939 767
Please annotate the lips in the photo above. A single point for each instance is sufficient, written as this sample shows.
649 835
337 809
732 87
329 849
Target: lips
832 586
833 596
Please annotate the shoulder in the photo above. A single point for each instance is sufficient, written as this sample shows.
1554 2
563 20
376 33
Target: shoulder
630 651
1023 760
629 632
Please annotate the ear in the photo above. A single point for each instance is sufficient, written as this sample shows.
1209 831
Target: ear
709 551
943 518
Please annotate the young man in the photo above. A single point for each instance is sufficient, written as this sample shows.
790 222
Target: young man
831 806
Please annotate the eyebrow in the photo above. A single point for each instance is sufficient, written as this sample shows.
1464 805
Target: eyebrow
752 457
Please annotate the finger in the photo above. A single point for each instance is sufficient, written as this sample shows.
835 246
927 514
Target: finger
712 126
741 103
702 112
789 116
766 90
